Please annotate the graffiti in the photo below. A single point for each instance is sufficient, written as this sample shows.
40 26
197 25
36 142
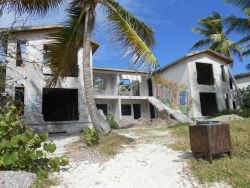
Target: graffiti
175 96
33 103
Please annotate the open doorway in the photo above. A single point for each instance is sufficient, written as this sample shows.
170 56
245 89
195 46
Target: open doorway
208 104
205 75
60 104
103 107
137 111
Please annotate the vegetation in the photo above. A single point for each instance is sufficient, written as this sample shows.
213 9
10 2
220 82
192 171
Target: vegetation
245 93
234 171
111 121
111 144
245 113
91 136
216 38
20 147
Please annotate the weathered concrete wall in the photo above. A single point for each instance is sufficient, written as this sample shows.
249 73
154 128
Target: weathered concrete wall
220 87
31 77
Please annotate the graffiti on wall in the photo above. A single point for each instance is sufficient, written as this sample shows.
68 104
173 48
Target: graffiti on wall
173 95
33 103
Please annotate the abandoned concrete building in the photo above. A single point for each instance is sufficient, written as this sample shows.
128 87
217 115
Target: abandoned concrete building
192 87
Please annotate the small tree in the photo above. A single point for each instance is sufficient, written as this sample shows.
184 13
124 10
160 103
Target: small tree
245 93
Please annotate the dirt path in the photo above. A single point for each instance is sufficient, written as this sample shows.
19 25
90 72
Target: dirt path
149 164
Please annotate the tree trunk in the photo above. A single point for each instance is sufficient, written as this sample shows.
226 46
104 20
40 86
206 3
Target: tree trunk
98 121
236 89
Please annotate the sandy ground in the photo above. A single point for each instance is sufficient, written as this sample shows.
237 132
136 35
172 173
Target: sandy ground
149 164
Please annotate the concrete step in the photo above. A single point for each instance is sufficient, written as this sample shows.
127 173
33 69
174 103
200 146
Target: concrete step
162 107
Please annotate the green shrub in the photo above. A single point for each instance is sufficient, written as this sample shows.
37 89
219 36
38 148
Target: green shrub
245 93
22 149
91 136
111 121
241 112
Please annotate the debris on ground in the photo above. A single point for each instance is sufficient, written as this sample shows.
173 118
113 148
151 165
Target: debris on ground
17 179
227 118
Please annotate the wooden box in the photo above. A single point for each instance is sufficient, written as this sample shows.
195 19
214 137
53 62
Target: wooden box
210 140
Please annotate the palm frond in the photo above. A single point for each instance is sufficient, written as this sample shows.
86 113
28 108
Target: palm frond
31 6
201 31
244 40
243 4
201 44
240 25
145 32
129 40
66 43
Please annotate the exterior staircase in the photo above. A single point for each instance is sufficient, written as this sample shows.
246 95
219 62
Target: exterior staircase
161 107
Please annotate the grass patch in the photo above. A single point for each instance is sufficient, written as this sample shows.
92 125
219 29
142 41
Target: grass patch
233 171
46 182
181 135
111 144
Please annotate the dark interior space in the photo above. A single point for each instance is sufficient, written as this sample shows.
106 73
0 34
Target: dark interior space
60 104
103 107
19 99
208 104
227 102
137 111
152 111
126 110
150 87
205 74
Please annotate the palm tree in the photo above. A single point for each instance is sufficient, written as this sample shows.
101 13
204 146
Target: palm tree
132 35
240 25
215 37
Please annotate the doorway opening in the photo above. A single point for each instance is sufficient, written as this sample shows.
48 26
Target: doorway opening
60 104
208 104
19 99
150 88
205 75
137 111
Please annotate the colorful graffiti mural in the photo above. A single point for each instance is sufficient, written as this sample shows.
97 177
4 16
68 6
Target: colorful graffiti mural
175 96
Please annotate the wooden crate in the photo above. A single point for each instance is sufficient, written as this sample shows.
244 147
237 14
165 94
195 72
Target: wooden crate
210 140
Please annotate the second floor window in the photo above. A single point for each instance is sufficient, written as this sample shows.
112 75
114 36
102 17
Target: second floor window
99 83
205 75
20 52
223 74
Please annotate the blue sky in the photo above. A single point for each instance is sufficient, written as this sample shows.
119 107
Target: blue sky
172 20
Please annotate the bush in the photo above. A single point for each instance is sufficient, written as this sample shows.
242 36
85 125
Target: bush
91 136
241 112
22 149
111 121
245 93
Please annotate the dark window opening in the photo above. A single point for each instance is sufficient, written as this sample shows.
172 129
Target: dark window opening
20 51
60 104
231 83
137 111
150 87
103 107
126 110
19 99
234 105
136 88
2 76
152 111
223 74
227 101
205 74
208 104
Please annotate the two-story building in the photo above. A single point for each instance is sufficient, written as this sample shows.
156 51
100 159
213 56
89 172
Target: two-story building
194 86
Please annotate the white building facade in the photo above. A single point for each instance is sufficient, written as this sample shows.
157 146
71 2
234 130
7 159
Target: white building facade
196 85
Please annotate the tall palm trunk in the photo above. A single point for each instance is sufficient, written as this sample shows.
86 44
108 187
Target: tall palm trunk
97 120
